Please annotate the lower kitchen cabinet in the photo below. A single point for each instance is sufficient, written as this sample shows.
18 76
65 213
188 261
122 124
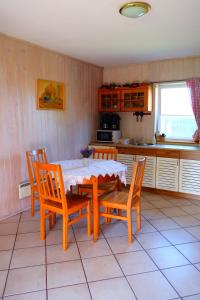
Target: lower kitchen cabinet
128 160
189 176
149 179
167 173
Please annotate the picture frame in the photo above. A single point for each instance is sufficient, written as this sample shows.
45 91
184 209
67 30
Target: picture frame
50 95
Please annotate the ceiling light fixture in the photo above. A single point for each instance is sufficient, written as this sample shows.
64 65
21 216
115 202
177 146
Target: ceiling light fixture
135 9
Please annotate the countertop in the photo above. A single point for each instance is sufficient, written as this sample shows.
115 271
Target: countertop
154 146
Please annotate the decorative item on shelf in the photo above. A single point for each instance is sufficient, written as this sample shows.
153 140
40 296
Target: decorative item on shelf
86 152
114 85
160 137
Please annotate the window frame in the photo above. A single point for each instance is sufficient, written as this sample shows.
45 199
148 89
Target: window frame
158 88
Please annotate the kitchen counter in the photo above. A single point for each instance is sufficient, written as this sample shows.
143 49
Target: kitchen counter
155 146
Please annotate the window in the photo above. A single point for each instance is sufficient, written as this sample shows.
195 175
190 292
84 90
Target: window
175 115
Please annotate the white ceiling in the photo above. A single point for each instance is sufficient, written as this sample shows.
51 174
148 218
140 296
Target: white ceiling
94 31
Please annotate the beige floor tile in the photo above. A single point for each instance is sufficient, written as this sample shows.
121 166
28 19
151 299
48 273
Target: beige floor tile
135 262
145 227
5 257
195 231
152 240
81 234
167 257
164 224
14 219
28 257
184 279
116 288
75 292
186 221
147 205
80 224
41 295
191 251
31 226
115 229
99 268
197 266
65 273
152 214
194 297
26 216
173 211
192 209
197 216
161 203
55 253
152 196
181 201
156 286
8 228
120 244
54 237
178 236
93 249
25 240
7 242
26 280
3 275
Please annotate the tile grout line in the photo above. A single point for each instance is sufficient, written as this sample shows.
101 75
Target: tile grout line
11 258
174 245
82 261
119 266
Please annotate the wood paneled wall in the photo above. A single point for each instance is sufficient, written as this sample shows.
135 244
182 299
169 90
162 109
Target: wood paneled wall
22 127
158 71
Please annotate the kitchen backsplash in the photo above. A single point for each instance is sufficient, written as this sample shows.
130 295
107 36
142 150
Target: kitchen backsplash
138 130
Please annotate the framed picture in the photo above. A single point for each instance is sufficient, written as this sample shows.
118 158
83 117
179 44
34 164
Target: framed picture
50 94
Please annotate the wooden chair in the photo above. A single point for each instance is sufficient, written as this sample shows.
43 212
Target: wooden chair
38 155
106 187
125 201
54 200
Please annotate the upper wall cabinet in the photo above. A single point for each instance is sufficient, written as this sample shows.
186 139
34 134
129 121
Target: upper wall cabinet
126 99
109 100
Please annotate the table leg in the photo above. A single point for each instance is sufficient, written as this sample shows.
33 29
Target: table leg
119 185
95 209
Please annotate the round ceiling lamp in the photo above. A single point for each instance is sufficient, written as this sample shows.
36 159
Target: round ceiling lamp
135 9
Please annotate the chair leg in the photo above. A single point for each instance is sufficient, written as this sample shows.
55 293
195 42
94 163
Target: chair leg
129 223
32 204
54 218
108 211
65 232
119 212
138 216
42 223
89 218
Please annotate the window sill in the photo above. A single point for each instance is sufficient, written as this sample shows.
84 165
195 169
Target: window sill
178 142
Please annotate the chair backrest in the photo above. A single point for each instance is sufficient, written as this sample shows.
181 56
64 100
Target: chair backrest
105 153
50 184
136 182
38 155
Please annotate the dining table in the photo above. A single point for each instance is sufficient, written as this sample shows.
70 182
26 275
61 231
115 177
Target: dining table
92 171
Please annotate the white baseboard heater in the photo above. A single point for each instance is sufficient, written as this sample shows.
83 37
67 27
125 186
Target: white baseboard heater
24 189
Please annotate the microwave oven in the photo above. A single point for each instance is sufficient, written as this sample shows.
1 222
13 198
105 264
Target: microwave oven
108 136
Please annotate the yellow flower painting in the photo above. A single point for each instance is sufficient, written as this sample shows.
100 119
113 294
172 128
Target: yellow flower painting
50 94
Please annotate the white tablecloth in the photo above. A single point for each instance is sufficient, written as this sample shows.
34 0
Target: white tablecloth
75 171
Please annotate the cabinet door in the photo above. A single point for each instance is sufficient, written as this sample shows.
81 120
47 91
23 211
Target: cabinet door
167 170
149 179
136 99
109 101
127 160
189 176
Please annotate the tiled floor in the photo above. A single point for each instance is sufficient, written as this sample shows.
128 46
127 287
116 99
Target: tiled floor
163 262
